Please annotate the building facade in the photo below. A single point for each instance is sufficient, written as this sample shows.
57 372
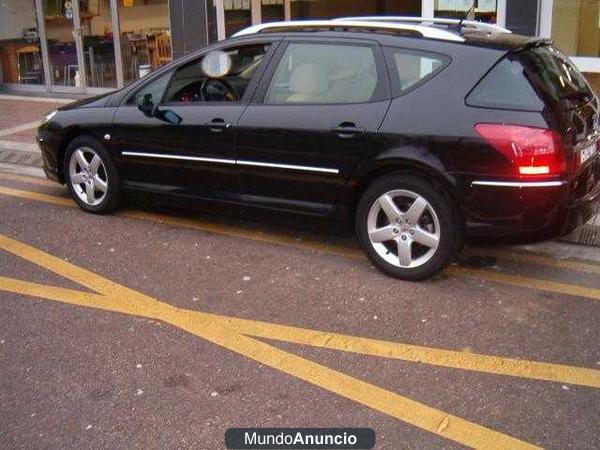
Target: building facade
91 46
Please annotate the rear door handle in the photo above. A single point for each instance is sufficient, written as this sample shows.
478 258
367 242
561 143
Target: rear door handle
217 125
348 130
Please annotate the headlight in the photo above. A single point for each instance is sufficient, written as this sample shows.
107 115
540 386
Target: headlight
48 117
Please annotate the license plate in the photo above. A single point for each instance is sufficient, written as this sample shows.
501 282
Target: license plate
587 152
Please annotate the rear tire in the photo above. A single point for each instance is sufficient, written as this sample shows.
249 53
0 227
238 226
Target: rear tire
91 176
408 228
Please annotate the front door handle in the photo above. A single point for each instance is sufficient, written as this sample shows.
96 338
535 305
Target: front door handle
217 125
348 130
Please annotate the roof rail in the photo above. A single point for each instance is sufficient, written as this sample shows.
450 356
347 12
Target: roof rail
302 25
469 24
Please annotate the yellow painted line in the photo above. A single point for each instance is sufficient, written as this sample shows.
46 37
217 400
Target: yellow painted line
527 282
117 298
426 355
29 195
307 244
26 179
512 255
526 256
416 353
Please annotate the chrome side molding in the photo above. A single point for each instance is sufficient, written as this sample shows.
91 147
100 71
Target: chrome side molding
233 161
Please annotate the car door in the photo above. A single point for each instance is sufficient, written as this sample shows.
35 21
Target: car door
315 113
188 146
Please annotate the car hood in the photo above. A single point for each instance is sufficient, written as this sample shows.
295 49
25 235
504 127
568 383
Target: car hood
89 102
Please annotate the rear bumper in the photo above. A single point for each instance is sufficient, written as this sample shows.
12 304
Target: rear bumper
510 211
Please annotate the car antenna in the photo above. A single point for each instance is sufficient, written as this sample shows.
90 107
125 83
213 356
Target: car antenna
471 10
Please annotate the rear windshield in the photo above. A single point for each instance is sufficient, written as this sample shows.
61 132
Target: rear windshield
529 79
554 77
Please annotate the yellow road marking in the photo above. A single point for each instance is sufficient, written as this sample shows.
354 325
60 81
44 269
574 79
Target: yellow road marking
307 244
416 353
531 283
512 255
116 298
26 179
29 195
526 256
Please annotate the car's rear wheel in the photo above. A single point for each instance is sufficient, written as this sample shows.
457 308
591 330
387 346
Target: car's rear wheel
91 176
408 228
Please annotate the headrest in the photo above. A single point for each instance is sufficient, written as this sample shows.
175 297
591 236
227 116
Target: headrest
309 79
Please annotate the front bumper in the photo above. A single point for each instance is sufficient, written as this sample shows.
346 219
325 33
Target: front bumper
49 142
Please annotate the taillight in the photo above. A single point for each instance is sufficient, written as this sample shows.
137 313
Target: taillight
534 152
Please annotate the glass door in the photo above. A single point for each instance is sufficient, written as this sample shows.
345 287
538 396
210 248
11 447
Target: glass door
63 49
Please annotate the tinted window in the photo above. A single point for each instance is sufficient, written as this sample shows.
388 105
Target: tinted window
506 87
554 77
219 76
154 88
324 73
413 66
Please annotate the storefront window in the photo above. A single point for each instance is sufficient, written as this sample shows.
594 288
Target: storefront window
272 10
98 46
62 52
238 15
145 36
576 30
329 9
481 10
20 55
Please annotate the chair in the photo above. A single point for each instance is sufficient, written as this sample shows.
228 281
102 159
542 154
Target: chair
163 45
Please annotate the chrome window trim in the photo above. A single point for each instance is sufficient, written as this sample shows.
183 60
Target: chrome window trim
519 184
233 161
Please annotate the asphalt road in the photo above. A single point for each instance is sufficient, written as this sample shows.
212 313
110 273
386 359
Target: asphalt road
162 329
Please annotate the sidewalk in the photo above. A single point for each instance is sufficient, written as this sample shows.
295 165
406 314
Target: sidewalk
20 116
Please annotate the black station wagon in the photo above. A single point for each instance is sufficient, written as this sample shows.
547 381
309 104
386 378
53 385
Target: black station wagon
424 132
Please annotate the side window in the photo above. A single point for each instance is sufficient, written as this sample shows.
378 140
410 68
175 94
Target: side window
505 87
218 76
324 73
409 67
155 88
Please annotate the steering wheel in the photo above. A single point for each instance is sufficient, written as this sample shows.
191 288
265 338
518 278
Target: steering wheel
218 90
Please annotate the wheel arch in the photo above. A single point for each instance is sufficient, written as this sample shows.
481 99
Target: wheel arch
441 182
68 136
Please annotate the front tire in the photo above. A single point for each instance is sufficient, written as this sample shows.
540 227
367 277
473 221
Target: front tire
91 176
408 228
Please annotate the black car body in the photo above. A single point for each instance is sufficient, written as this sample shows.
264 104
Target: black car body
451 125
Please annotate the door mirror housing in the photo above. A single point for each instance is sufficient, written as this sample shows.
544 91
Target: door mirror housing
146 106
169 116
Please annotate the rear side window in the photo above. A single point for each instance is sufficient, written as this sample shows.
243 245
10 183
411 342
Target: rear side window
506 87
410 67
324 73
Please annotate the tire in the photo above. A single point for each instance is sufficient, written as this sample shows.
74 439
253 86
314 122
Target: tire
100 176
425 235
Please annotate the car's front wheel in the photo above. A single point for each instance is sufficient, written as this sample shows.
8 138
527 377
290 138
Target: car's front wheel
91 176
407 227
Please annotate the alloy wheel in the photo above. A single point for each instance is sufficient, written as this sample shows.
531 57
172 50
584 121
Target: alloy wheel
88 176
403 228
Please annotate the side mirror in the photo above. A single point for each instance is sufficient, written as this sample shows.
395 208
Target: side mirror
146 105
